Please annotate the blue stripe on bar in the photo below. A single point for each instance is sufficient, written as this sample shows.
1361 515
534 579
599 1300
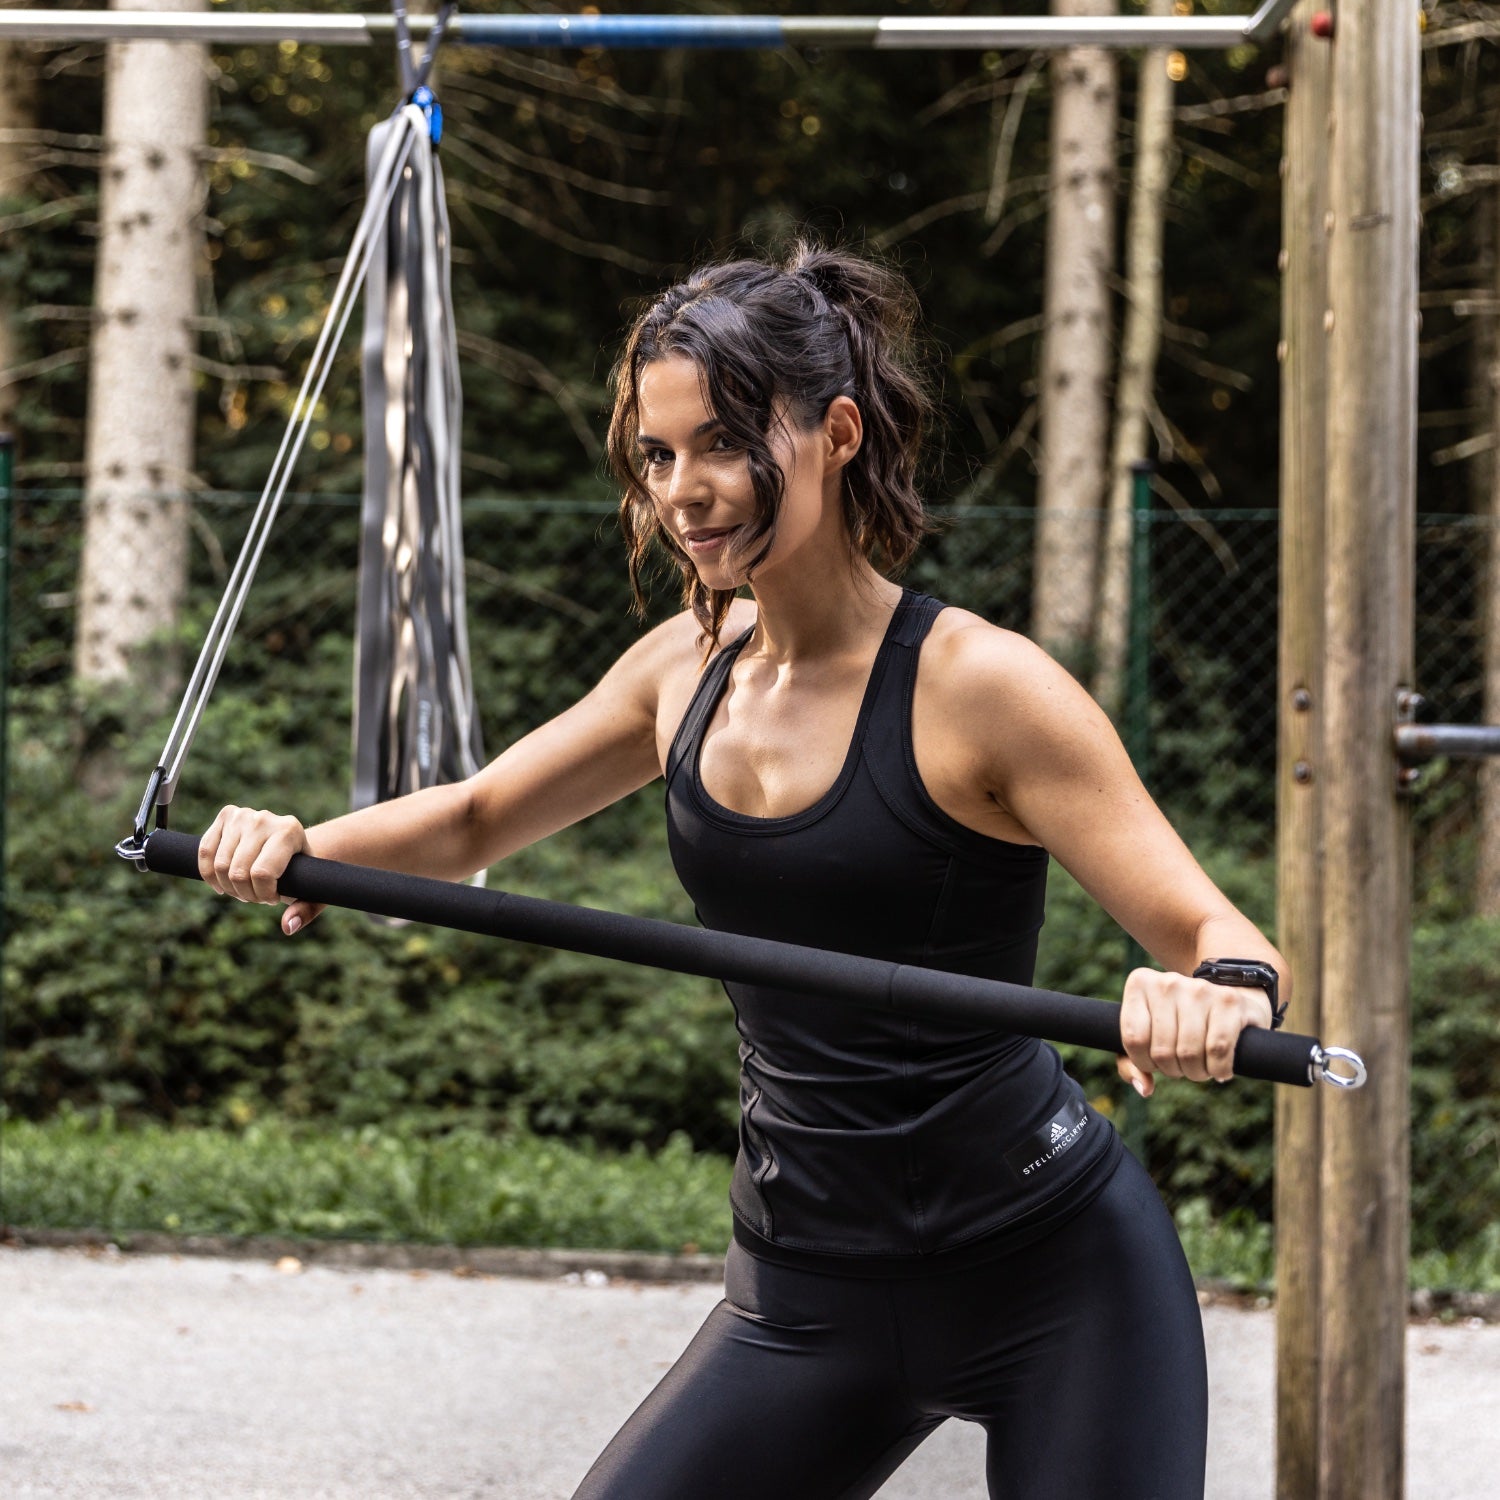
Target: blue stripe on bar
621 31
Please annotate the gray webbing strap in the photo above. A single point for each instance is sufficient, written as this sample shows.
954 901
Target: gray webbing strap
414 719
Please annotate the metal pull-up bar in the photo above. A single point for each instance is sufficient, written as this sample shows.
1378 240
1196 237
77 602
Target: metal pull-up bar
1418 741
899 33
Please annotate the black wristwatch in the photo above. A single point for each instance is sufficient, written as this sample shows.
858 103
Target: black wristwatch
1246 974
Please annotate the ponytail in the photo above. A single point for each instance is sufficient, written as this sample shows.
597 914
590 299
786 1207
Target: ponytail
883 508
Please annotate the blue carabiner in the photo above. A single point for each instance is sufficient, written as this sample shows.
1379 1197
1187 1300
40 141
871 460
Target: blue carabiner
427 102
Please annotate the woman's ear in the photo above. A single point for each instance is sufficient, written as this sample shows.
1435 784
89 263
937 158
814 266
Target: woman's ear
843 430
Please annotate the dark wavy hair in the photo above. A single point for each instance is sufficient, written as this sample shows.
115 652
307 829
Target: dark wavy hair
771 336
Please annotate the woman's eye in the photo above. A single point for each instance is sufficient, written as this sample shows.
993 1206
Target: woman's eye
654 458
723 443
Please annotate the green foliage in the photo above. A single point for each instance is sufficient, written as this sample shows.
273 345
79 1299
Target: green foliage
1471 1265
1455 1139
1210 1150
1212 1144
465 1188
147 999
578 182
1196 729
151 998
1235 1247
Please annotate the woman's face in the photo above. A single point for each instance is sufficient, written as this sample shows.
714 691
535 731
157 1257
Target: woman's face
699 479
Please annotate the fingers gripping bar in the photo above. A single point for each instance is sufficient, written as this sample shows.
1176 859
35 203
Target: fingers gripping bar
1275 1057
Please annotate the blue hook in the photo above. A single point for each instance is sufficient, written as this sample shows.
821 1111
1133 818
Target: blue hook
427 102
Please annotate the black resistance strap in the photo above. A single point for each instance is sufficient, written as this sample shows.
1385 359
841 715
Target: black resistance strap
1273 1056
415 723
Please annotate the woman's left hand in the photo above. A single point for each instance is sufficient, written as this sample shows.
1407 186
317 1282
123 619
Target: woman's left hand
1183 1028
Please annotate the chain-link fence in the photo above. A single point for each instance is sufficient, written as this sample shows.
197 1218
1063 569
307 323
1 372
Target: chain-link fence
125 993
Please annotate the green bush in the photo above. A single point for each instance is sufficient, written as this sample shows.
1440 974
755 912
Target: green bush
463 1188
149 999
1455 1138
1209 1144
154 999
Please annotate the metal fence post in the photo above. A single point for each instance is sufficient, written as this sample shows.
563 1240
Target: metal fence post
1137 716
7 471
1136 723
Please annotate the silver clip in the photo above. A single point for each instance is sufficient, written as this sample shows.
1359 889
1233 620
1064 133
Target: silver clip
134 850
1353 1065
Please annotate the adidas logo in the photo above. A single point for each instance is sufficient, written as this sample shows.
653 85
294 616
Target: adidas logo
1049 1142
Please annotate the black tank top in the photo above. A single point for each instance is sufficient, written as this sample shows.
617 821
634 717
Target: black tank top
884 1142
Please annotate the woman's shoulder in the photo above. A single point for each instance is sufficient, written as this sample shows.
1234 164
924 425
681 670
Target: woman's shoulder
681 641
969 649
972 669
681 638
668 661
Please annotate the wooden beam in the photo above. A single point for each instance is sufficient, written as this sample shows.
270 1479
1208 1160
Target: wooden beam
1301 770
1372 363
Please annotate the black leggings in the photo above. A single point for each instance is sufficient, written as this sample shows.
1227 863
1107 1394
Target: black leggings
1081 1355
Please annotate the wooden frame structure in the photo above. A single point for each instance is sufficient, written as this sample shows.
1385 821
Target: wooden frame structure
1348 512
1347 533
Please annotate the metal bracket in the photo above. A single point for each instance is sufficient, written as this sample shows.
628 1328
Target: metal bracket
1409 706
1416 744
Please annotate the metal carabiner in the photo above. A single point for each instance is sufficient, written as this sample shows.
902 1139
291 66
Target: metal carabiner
133 848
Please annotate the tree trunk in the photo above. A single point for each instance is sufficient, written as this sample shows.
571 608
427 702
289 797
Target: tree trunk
17 113
1076 354
139 448
1487 498
1140 341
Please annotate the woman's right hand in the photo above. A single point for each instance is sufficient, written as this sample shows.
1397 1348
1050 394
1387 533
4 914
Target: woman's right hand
245 852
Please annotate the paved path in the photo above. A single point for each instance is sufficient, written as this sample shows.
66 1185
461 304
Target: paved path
124 1376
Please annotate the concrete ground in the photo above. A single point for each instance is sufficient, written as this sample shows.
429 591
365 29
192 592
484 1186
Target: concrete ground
134 1376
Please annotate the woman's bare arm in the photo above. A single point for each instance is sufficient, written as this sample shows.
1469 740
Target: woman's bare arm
1050 763
599 750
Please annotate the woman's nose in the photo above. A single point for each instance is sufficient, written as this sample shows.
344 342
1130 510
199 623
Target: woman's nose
685 485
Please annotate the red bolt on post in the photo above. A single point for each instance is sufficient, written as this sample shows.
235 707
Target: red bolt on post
1321 24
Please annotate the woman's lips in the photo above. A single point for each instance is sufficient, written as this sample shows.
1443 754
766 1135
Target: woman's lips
706 540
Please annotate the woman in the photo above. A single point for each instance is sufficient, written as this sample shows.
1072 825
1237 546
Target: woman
929 1220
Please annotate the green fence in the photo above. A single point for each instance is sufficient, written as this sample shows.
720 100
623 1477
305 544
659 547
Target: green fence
154 1000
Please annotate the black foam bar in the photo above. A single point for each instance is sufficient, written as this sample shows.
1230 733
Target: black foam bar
1274 1056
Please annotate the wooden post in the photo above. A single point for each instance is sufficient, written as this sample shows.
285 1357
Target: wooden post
1301 770
1372 362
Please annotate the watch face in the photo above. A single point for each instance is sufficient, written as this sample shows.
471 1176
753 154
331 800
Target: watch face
1240 972
1237 968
